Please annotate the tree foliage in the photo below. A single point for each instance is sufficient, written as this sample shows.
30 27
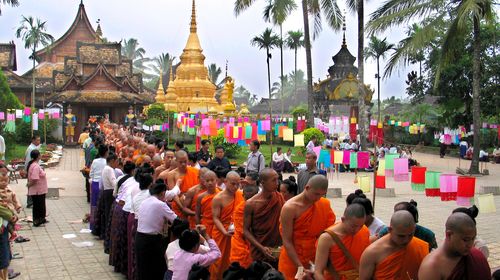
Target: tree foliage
8 100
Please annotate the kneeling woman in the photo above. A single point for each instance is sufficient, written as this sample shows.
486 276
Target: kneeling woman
150 244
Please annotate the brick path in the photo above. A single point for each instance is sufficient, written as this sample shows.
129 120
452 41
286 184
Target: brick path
49 256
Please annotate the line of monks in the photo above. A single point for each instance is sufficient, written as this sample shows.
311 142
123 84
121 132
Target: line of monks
299 237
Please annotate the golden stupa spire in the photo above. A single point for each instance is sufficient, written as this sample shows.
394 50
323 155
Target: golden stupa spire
98 32
160 92
193 28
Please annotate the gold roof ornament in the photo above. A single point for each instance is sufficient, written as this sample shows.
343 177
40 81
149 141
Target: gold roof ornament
192 87
244 110
160 92
348 89
229 107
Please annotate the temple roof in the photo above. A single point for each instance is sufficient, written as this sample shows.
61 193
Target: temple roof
8 56
82 21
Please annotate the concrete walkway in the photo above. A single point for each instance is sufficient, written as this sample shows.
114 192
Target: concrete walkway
50 256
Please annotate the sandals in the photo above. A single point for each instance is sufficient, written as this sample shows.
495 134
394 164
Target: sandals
21 239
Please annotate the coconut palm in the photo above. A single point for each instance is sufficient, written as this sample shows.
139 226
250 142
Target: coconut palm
161 65
13 3
32 32
315 8
463 14
294 41
276 12
214 73
268 41
132 51
378 49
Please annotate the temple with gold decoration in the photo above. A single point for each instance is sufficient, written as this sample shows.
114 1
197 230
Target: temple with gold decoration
338 94
189 88
81 70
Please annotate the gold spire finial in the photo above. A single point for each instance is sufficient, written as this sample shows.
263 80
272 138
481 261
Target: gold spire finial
160 86
344 44
226 67
98 31
193 18
171 74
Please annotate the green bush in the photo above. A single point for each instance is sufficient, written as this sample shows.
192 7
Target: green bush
7 99
157 111
231 150
310 132
23 131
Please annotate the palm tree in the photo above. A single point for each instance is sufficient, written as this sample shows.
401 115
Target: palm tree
132 51
268 41
294 42
378 49
276 12
333 17
13 3
161 65
214 73
32 32
463 14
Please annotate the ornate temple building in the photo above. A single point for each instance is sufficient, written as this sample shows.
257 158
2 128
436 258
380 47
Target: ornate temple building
84 71
338 94
189 88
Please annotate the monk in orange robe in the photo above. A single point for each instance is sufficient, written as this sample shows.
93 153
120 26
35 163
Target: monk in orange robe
397 255
331 260
457 258
223 206
189 176
204 202
240 247
261 219
303 219
191 197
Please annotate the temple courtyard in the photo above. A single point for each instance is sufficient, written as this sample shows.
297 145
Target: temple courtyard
52 255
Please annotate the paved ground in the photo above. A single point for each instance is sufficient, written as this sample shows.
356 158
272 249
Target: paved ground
50 256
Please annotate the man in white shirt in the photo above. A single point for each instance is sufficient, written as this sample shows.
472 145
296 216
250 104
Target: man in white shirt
278 160
442 146
312 143
2 148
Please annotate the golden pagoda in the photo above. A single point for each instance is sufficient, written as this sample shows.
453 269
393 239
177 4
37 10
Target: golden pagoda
160 93
191 90
170 96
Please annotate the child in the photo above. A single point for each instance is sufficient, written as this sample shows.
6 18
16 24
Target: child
9 198
189 242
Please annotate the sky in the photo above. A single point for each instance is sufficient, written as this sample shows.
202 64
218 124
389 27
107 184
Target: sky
163 26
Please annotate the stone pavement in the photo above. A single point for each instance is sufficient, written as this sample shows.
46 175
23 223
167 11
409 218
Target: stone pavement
50 256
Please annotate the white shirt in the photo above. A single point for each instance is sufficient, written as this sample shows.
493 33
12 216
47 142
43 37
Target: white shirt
310 146
96 169
354 146
288 158
464 143
138 199
152 215
108 178
2 148
482 154
393 150
347 146
133 185
376 226
441 139
277 157
27 155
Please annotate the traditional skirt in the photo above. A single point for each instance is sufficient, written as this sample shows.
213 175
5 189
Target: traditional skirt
150 256
94 198
107 233
118 240
131 231
99 226
5 254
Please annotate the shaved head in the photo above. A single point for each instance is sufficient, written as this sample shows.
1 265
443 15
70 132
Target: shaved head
209 173
202 172
233 174
318 182
459 222
266 173
354 210
402 219
181 154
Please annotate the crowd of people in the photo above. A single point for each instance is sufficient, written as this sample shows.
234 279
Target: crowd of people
169 214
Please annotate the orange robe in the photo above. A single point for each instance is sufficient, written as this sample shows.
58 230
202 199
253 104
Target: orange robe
189 180
192 219
403 264
306 230
224 242
356 244
240 247
206 211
